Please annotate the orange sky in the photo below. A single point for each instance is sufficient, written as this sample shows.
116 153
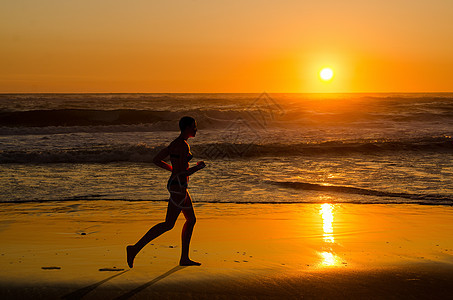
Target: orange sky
225 46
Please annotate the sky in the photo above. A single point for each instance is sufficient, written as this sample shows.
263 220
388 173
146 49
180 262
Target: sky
225 46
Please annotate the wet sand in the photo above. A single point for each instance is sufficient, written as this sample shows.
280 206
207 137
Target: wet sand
76 249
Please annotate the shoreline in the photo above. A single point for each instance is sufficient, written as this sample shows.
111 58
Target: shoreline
250 251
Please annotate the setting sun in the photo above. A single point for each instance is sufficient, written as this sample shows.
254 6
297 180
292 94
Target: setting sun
326 74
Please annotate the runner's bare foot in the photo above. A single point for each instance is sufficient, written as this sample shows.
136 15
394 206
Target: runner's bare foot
188 262
130 253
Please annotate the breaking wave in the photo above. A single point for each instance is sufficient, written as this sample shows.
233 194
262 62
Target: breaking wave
145 153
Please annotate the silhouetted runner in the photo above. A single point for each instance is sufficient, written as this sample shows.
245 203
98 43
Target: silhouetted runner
179 152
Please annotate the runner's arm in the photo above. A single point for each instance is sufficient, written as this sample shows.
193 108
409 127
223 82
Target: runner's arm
158 160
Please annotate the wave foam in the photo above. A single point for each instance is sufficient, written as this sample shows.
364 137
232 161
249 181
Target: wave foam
424 198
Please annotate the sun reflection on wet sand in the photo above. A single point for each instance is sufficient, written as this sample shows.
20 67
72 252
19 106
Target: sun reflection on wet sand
328 258
327 219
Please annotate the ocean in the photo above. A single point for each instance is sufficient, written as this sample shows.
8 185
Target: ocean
258 148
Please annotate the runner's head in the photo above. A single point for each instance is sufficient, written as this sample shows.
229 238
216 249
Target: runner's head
188 125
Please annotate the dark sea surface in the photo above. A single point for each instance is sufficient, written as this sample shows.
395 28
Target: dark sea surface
258 148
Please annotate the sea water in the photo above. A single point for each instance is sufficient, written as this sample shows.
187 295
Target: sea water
258 148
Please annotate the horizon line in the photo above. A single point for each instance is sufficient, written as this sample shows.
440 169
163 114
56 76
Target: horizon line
401 92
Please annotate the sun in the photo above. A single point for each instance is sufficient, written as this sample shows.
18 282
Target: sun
326 74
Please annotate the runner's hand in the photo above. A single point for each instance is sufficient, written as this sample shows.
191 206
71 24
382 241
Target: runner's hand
201 165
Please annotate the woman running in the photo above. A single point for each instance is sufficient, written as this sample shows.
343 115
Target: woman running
179 152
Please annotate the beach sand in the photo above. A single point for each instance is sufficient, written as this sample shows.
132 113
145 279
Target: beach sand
76 249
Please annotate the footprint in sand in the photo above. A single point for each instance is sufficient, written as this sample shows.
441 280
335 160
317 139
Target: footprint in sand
114 269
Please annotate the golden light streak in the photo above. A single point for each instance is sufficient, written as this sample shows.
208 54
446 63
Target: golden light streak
327 219
328 258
